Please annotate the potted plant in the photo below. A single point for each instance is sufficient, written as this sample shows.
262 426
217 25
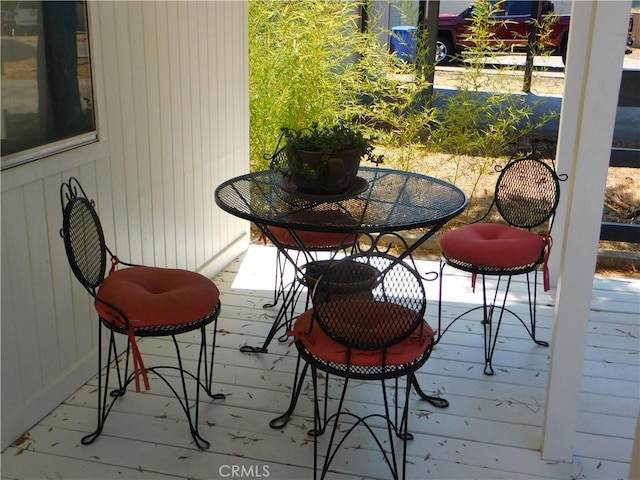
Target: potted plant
325 160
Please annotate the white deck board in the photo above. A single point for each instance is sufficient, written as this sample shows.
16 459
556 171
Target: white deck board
491 430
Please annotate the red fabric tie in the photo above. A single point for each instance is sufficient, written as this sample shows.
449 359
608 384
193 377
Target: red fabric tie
545 265
138 364
114 262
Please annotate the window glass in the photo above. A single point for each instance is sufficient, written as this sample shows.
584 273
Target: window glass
47 95
519 7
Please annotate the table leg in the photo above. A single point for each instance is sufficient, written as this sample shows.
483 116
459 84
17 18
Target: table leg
283 318
290 293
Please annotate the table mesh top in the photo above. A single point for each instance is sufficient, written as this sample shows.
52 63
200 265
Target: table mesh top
394 200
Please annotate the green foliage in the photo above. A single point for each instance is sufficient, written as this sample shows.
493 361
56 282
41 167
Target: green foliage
391 99
327 139
544 28
299 53
480 34
310 64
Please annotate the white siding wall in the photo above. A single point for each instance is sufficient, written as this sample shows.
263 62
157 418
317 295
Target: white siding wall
171 84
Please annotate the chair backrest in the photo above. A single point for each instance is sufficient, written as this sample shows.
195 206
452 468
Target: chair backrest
83 236
369 301
278 160
527 191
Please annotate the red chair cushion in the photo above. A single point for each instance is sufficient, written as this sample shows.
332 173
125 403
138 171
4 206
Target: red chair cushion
152 296
492 245
319 344
317 239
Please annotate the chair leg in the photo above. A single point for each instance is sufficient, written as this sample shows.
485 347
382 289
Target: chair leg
206 361
320 425
532 309
204 382
105 398
489 306
440 331
193 422
405 424
288 314
283 321
395 428
298 383
399 429
279 290
323 419
437 402
183 396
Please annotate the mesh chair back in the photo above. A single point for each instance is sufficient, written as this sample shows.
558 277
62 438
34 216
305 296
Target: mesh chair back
369 301
83 236
527 192
279 159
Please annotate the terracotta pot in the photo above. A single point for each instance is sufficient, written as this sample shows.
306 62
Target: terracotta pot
326 173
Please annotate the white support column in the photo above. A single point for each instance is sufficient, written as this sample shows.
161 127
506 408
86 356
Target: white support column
592 81
634 468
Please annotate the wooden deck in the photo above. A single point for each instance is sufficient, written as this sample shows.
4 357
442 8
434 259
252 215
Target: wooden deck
492 429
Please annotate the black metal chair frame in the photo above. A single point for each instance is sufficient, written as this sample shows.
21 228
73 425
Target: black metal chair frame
288 293
373 254
87 254
507 202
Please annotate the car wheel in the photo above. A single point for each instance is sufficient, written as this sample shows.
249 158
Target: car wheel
444 50
563 50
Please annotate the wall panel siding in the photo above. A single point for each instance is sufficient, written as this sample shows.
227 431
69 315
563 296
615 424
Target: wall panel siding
140 79
9 338
206 199
154 141
14 232
186 106
37 237
171 83
126 123
62 311
164 188
112 101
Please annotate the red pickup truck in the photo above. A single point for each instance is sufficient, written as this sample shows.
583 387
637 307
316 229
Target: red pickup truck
510 31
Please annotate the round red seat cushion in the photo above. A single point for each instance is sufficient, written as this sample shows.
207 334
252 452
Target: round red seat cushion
492 245
151 296
317 239
319 344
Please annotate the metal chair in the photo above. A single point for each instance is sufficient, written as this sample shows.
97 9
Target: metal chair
138 301
526 196
302 246
366 323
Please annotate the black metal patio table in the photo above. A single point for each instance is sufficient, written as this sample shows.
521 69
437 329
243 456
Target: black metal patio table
383 200
386 200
